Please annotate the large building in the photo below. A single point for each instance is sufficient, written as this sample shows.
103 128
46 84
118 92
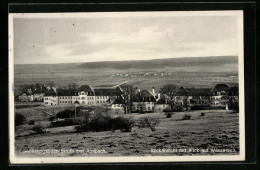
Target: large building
143 101
84 95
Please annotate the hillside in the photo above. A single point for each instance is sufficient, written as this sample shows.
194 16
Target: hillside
161 63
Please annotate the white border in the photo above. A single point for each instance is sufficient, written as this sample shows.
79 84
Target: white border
18 160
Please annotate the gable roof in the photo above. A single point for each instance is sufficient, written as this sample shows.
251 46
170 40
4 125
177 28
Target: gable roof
146 93
181 91
220 87
199 91
51 92
162 100
108 92
65 92
85 88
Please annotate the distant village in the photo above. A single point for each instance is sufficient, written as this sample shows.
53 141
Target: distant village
135 99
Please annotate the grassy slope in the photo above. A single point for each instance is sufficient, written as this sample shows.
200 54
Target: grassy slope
217 129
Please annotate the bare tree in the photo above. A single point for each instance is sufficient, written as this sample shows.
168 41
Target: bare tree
128 93
72 86
51 84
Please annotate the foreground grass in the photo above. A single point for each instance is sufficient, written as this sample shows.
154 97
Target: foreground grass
215 130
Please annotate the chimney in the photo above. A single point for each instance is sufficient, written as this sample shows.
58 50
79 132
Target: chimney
153 91
159 95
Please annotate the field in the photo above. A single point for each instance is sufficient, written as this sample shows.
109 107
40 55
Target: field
192 72
218 129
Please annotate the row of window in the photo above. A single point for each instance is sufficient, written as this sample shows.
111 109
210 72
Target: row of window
65 97
65 101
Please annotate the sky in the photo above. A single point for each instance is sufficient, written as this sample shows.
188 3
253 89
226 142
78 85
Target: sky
72 40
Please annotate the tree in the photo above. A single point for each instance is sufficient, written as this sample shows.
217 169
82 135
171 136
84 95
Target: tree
19 119
51 84
72 86
128 93
233 104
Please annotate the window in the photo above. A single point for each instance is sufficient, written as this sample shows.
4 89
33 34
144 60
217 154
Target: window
83 102
82 93
83 98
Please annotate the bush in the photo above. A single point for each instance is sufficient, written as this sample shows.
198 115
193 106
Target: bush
65 122
38 129
176 108
31 122
68 113
51 118
186 117
122 123
19 119
104 122
150 122
168 114
202 114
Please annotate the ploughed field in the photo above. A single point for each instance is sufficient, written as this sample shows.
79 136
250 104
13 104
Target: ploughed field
217 131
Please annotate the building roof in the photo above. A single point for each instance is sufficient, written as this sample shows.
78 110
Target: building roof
51 92
162 100
220 87
65 92
199 91
146 93
108 92
181 91
85 88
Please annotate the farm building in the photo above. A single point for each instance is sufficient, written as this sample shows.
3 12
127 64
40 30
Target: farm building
118 105
107 95
162 104
220 95
143 101
26 97
51 97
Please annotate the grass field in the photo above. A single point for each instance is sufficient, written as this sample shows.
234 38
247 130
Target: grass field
218 129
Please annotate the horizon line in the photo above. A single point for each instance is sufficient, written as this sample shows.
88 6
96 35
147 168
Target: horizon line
126 60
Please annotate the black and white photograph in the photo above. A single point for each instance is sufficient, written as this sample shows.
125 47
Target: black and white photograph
95 87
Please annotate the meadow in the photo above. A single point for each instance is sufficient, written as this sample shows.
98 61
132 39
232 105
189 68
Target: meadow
217 129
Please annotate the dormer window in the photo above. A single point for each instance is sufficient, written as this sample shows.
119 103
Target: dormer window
82 93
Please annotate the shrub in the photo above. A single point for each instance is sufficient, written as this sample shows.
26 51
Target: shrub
168 114
19 119
38 129
150 122
31 122
68 113
202 114
123 123
51 118
176 108
104 122
186 117
65 122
